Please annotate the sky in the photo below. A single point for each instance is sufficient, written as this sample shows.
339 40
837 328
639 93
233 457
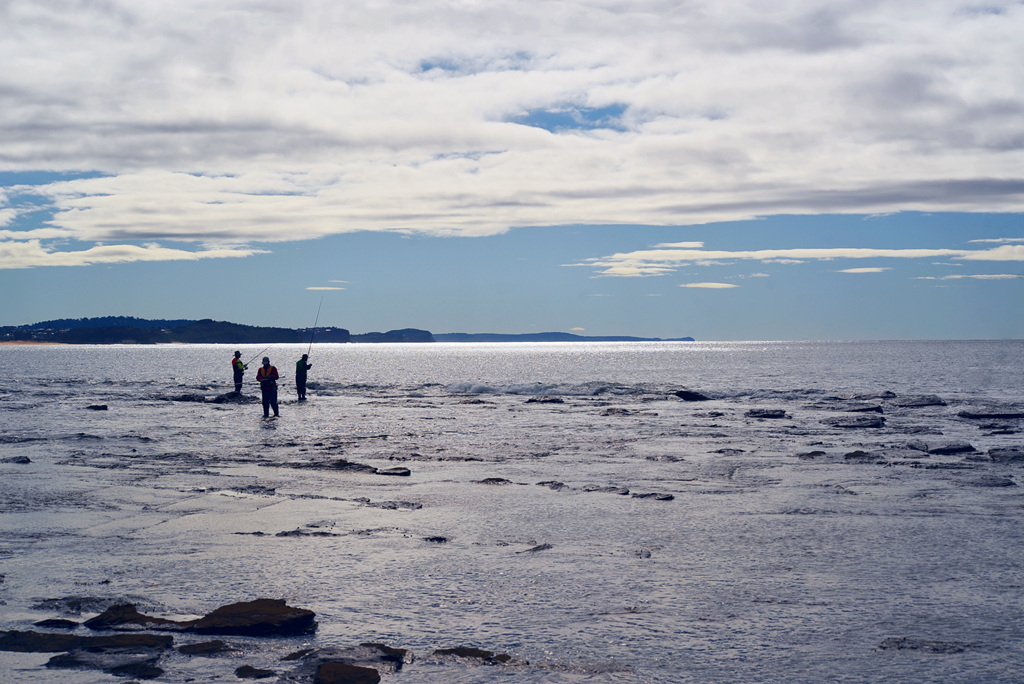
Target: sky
721 169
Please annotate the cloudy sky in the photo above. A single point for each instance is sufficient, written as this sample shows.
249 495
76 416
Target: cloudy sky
715 168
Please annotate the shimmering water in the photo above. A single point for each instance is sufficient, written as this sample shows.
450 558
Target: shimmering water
791 549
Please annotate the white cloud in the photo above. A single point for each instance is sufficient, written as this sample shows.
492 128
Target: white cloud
864 270
241 122
28 254
651 262
984 276
325 289
1000 240
710 286
578 330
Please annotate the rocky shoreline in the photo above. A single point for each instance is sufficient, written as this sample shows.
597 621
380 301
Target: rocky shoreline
128 647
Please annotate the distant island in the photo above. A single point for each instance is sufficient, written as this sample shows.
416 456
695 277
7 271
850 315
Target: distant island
131 330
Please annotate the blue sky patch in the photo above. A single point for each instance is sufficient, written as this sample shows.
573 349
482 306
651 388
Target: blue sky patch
573 118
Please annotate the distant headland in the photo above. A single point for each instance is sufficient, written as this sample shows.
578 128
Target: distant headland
131 330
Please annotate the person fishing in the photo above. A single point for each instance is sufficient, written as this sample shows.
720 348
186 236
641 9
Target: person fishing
267 377
301 366
239 369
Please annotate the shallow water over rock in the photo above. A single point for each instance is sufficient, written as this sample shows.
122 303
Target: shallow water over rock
622 534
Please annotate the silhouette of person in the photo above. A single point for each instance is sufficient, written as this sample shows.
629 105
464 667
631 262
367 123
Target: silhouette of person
301 366
239 368
267 377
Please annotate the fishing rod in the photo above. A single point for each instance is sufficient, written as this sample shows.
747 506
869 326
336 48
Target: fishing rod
257 354
313 332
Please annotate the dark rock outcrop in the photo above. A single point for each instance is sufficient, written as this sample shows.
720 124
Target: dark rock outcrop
342 673
20 460
952 448
687 395
97 407
262 617
56 623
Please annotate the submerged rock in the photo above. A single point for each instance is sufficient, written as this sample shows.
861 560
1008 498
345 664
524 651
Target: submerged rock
991 415
855 421
927 645
206 648
1010 455
539 547
494 481
97 407
606 489
125 617
116 662
919 401
654 495
250 672
991 481
476 653
545 400
766 413
397 471
235 398
351 665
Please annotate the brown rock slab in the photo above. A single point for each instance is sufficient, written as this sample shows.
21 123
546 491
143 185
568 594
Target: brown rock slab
46 642
262 617
342 673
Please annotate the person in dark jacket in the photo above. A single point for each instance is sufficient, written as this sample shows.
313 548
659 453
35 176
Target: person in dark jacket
267 377
239 369
301 366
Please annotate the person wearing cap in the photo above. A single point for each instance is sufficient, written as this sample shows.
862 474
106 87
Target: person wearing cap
301 366
267 377
239 368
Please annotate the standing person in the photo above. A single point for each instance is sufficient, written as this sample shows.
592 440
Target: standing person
267 377
301 366
239 368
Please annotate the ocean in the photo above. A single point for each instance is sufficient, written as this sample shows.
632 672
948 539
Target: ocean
831 511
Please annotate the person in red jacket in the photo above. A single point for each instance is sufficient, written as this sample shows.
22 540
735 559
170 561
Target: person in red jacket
267 377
